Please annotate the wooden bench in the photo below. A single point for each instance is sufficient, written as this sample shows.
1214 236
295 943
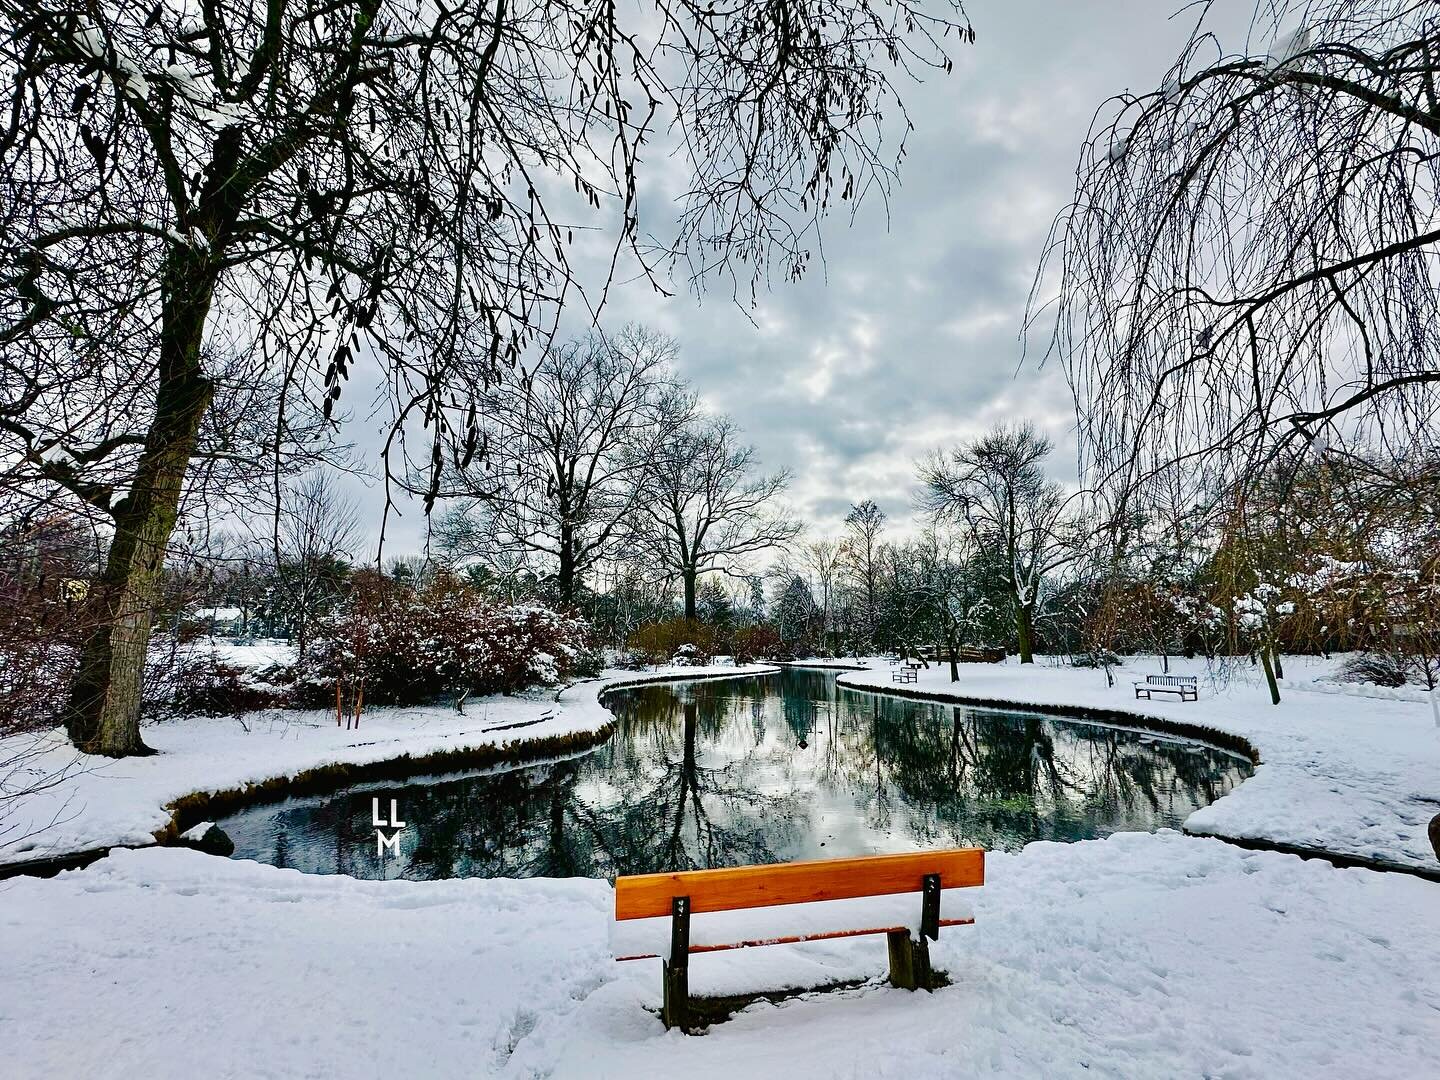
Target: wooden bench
973 655
907 673
1187 686
681 895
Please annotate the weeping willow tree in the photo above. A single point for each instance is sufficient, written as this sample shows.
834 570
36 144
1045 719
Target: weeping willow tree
286 190
1248 272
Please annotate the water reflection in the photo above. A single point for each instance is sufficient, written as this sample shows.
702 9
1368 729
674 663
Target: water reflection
760 770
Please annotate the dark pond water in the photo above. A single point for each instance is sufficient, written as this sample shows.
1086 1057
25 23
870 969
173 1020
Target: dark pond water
758 770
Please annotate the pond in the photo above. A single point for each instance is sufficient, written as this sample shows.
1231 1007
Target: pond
770 769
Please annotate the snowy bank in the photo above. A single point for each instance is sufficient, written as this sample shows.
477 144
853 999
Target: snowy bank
205 763
1341 772
1138 956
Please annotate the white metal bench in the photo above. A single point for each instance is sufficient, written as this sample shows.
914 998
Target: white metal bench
1187 686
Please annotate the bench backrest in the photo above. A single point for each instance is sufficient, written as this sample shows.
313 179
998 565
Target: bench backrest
1170 680
647 896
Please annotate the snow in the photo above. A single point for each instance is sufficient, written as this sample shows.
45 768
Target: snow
56 454
1344 772
198 832
1287 47
1135 956
245 653
1138 955
89 41
105 802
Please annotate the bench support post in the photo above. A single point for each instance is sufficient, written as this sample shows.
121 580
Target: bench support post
675 1007
930 909
910 957
909 961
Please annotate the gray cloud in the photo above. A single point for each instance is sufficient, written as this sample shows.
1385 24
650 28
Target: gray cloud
909 338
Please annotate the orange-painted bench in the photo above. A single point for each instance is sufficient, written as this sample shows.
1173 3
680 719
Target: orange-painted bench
695 892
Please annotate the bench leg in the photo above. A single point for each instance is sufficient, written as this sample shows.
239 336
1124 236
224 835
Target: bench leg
909 961
675 1001
676 1008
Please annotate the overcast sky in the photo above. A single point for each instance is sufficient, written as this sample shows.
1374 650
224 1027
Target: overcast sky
908 337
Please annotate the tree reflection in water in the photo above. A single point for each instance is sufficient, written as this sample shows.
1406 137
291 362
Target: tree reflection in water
758 770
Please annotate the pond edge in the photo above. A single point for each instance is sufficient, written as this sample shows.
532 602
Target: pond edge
1225 740
190 810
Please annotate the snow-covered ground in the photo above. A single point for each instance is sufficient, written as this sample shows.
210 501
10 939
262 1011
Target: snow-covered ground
99 802
249 653
1343 770
1136 956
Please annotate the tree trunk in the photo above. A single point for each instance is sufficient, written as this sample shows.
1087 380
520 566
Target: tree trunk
1024 628
1279 667
565 580
102 715
1270 674
689 576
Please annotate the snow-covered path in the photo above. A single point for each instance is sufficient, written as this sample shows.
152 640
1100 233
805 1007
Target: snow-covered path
103 803
1349 773
1136 956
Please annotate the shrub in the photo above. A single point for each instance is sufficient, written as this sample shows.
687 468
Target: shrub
759 643
1382 669
411 645
586 663
1104 658
627 660
688 655
215 688
46 562
39 644
659 642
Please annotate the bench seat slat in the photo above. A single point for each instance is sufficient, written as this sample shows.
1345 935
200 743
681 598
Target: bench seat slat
646 896
793 939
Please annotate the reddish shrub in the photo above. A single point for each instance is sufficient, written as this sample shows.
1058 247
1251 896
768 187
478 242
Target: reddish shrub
759 643
413 645
39 643
660 643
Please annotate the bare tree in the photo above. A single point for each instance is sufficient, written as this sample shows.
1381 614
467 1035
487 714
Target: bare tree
958 601
995 488
821 558
305 186
705 508
1250 260
862 553
472 540
315 532
572 445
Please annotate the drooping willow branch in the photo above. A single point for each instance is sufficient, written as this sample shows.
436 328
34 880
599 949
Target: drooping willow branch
1251 263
